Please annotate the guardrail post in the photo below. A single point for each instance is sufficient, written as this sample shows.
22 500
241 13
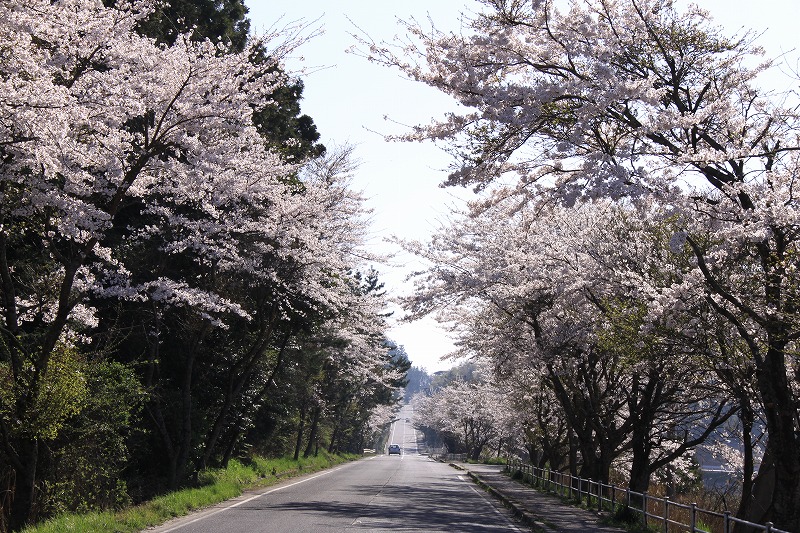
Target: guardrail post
600 496
694 518
726 523
644 507
599 490
613 498
666 514
769 527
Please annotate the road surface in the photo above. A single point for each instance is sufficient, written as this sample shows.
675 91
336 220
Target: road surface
408 493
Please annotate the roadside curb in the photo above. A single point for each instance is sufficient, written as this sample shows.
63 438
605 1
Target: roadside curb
541 512
519 512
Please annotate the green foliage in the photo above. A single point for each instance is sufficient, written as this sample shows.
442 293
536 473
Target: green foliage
630 518
621 333
61 393
702 527
288 131
399 362
283 126
87 460
217 20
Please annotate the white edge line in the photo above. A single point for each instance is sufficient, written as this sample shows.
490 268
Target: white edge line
251 498
489 503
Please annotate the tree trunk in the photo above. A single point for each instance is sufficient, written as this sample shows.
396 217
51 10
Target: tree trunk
780 413
760 507
185 436
312 435
641 468
334 437
300 429
573 454
746 415
231 447
25 486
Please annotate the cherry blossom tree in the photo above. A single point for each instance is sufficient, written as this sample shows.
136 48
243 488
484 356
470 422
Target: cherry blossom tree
98 122
475 414
562 298
543 422
625 98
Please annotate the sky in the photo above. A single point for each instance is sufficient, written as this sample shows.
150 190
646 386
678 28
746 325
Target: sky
353 101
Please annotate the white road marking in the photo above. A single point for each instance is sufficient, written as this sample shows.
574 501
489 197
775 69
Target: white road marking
489 503
237 504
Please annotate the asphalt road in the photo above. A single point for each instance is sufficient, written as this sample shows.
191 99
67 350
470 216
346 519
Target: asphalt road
383 493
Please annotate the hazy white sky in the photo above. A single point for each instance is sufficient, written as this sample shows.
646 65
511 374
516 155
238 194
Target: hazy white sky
349 98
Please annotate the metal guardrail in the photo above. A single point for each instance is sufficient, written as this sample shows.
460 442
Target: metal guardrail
653 510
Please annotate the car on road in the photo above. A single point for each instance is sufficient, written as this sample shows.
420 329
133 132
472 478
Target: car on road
394 448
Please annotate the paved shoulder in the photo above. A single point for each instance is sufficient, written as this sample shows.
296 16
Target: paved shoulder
538 509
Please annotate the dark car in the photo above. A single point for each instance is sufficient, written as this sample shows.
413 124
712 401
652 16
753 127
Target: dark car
394 448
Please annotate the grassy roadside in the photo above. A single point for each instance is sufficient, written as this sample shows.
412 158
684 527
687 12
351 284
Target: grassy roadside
216 486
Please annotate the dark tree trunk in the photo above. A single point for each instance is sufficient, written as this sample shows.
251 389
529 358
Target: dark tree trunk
760 506
640 466
780 408
334 437
185 435
236 433
312 434
746 415
573 454
25 486
780 413
301 426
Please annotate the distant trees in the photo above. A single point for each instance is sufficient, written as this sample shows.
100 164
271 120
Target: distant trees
471 415
655 110
418 381
165 261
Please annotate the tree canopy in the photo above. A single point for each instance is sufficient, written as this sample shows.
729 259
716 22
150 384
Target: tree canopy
656 110
168 264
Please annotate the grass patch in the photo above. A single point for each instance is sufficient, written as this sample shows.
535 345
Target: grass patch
628 519
215 486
